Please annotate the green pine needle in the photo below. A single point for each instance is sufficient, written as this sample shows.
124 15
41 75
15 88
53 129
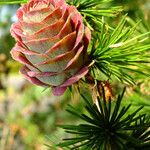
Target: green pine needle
107 127
94 10
119 53
2 2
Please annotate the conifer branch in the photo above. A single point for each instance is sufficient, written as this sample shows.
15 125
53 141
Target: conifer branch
107 127
120 52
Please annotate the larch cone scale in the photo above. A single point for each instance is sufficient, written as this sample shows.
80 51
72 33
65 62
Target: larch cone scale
51 43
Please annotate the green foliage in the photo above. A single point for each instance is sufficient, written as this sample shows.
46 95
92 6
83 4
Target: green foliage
119 52
108 127
142 134
2 2
95 9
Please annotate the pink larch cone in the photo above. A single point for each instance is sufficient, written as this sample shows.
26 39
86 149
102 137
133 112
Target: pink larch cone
51 43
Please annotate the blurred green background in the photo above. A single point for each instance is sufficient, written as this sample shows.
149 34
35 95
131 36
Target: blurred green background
28 114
